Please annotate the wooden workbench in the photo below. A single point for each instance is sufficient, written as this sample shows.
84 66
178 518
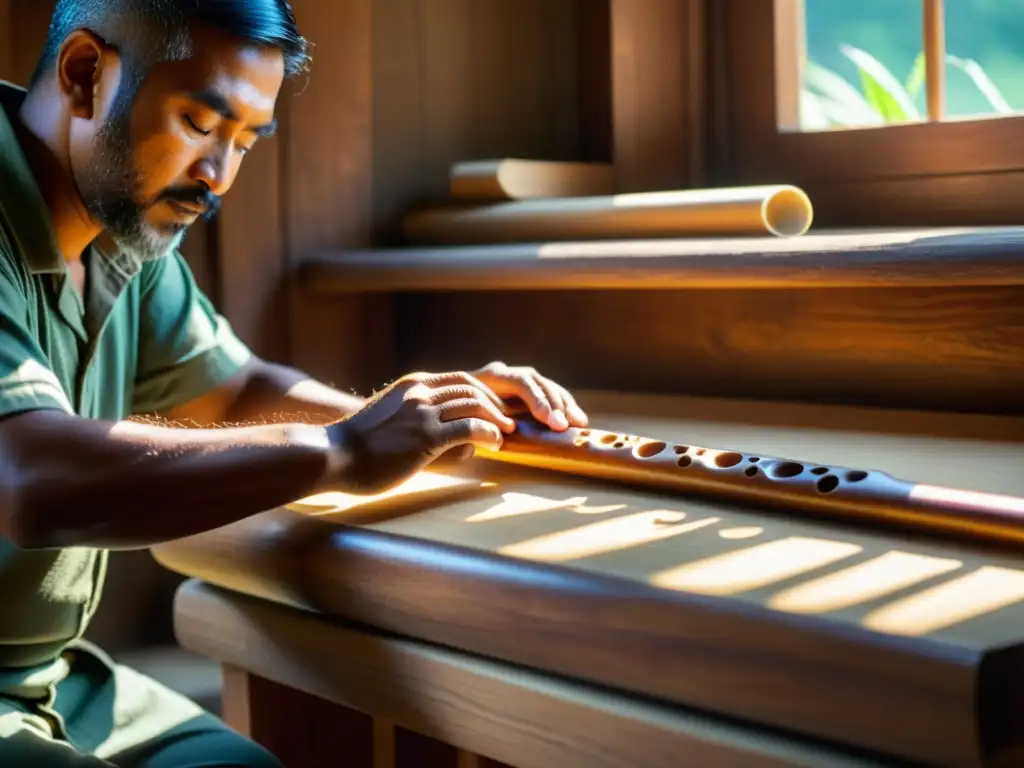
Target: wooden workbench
546 620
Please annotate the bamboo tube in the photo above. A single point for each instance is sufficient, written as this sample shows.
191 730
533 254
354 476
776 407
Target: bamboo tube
797 486
780 210
514 179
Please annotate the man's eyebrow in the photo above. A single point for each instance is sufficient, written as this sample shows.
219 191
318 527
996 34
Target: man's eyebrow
220 105
268 129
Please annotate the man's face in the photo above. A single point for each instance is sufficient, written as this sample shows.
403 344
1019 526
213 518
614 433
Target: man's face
168 151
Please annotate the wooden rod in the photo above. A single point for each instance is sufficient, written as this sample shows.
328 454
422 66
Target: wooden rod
860 495
935 58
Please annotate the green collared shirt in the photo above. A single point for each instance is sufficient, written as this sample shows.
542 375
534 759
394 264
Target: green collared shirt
143 340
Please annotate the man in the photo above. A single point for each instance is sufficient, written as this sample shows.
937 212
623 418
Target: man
134 125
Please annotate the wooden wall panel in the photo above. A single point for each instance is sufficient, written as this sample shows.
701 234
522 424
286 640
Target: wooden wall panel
327 136
200 251
955 349
30 22
400 90
459 80
657 91
399 156
249 248
296 727
6 40
594 80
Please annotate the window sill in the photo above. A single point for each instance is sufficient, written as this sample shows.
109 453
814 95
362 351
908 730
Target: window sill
921 257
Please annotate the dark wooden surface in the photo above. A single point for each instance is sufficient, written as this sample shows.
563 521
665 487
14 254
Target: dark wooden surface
462 574
852 259
302 731
976 199
956 349
474 710
306 731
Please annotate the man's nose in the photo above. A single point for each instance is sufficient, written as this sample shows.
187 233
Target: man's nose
212 173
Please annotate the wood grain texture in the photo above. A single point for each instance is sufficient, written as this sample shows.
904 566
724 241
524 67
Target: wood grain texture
657 94
858 495
251 253
517 716
454 81
594 80
301 731
400 150
584 619
400 90
721 128
955 349
898 258
328 194
440 572
974 199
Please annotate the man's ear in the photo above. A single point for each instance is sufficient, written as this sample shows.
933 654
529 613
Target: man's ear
80 66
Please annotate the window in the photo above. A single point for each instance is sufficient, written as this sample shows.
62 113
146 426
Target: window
885 62
918 92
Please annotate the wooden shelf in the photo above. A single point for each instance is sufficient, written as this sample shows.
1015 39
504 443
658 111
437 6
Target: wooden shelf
451 572
929 257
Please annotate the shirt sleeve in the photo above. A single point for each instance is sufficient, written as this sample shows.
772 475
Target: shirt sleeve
186 349
27 382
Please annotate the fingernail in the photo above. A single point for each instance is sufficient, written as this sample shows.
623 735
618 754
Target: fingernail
578 415
558 420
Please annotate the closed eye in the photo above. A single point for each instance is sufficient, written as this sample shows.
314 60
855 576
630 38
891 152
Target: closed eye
192 124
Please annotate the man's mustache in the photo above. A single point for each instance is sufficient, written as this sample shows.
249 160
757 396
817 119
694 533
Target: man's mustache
198 195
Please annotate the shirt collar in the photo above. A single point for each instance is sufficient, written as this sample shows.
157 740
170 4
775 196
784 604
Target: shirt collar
25 212
21 203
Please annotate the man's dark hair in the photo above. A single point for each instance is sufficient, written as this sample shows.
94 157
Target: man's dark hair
149 31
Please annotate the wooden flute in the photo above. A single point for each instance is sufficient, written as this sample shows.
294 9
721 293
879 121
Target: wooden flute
845 492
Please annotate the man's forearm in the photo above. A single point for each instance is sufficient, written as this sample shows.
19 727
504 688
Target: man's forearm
76 482
275 393
282 390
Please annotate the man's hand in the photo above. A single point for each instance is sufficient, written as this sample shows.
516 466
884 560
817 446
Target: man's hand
410 424
423 416
549 403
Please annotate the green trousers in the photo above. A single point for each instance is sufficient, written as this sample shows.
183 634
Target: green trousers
102 714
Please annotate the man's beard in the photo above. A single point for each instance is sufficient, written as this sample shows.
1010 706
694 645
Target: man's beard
111 190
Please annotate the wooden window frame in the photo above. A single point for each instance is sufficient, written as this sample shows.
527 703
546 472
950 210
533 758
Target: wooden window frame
762 152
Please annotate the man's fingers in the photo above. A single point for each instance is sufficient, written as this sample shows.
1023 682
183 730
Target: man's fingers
471 431
533 395
573 412
462 401
445 380
558 419
478 408
546 401
459 453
